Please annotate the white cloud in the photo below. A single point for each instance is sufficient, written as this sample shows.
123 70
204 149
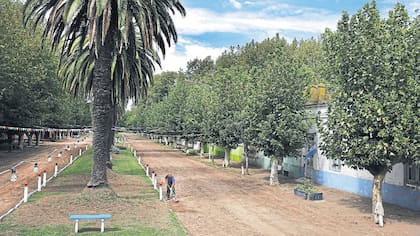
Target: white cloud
257 25
199 21
177 59
235 4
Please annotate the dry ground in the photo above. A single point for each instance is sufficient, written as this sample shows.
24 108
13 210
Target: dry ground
131 200
12 192
216 201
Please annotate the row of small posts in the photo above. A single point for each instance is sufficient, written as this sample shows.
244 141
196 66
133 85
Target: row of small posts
42 177
152 176
43 182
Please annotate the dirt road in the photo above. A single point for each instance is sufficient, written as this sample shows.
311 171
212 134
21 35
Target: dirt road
12 192
216 201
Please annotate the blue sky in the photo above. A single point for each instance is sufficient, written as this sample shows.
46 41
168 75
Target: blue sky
211 26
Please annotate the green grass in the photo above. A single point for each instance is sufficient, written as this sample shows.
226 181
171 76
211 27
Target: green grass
88 228
39 195
82 166
123 163
15 229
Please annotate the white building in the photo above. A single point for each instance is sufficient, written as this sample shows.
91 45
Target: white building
401 185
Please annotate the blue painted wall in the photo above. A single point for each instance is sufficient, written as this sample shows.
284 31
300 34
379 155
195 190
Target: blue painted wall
398 195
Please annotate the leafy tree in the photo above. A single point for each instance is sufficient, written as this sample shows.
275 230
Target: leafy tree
373 120
283 125
30 92
114 39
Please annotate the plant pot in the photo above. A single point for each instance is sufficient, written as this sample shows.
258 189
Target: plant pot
299 193
313 196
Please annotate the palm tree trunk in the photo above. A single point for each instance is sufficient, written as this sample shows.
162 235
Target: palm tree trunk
102 110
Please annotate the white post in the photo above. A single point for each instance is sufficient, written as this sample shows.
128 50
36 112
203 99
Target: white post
39 183
147 170
56 170
160 192
44 176
209 156
87 147
13 177
49 157
80 152
76 226
153 178
102 225
25 193
36 167
243 169
135 153
139 160
155 183
71 159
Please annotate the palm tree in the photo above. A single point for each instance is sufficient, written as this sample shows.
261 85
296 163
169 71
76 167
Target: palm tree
113 41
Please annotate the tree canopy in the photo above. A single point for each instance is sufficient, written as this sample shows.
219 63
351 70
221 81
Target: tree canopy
30 92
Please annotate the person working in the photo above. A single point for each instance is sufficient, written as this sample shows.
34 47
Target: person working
170 186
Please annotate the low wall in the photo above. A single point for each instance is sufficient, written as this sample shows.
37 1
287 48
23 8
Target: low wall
398 195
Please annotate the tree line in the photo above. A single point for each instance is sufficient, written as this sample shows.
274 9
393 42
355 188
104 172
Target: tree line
31 95
256 95
252 94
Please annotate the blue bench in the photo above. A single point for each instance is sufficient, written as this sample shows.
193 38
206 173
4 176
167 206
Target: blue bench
101 217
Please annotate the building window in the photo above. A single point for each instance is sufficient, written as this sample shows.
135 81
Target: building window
412 175
335 165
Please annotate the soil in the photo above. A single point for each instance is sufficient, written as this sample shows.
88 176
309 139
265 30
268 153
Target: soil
11 193
212 200
219 201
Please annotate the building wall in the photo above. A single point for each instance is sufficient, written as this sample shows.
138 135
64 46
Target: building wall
360 181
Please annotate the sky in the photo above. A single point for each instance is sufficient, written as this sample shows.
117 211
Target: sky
212 26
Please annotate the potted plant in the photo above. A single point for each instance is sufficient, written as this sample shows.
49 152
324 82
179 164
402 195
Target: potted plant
308 191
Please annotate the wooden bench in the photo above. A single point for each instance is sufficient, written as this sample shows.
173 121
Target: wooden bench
101 217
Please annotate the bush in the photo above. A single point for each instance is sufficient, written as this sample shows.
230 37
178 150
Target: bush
307 187
191 152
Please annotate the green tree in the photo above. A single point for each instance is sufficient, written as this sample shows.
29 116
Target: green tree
281 108
30 92
115 32
373 119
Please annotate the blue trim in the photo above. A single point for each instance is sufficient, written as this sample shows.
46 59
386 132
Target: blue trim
311 153
90 217
398 195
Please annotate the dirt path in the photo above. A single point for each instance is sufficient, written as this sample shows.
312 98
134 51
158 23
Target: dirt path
12 192
215 201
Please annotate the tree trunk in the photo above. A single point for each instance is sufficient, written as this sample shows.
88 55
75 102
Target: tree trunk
102 110
10 140
110 131
378 179
227 157
37 138
20 140
274 177
30 139
246 158
201 148
212 153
